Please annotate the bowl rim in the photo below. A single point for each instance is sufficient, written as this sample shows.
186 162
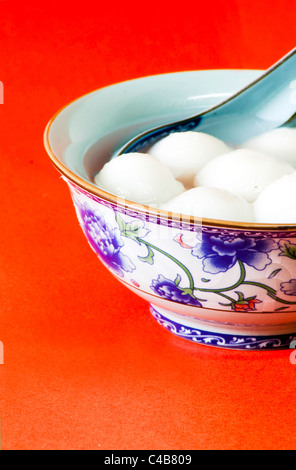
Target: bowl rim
142 208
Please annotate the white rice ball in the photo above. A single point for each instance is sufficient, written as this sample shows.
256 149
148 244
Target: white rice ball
243 172
212 203
277 203
140 178
186 152
279 143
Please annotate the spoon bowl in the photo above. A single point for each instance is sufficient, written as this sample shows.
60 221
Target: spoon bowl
265 104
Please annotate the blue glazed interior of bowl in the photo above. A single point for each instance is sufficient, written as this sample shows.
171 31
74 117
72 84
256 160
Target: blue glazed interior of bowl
88 131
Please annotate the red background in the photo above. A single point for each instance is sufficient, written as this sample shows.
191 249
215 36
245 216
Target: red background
85 365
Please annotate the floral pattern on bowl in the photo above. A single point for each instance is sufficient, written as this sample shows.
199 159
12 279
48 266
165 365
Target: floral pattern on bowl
193 270
236 255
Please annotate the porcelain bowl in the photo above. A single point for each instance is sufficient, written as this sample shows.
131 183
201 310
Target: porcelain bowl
229 285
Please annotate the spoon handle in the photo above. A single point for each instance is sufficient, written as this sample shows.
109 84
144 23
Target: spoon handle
267 103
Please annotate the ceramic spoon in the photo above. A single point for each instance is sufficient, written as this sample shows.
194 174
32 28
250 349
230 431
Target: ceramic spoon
266 103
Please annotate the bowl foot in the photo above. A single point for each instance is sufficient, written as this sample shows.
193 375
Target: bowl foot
221 335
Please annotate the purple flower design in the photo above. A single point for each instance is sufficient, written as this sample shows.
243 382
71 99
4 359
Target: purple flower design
289 288
105 240
220 253
169 290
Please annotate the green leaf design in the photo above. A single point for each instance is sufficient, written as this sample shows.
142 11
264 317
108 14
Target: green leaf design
149 258
177 280
274 273
120 223
134 230
240 295
288 249
203 279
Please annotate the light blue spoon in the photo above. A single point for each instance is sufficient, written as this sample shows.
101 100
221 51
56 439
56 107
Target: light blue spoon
265 104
